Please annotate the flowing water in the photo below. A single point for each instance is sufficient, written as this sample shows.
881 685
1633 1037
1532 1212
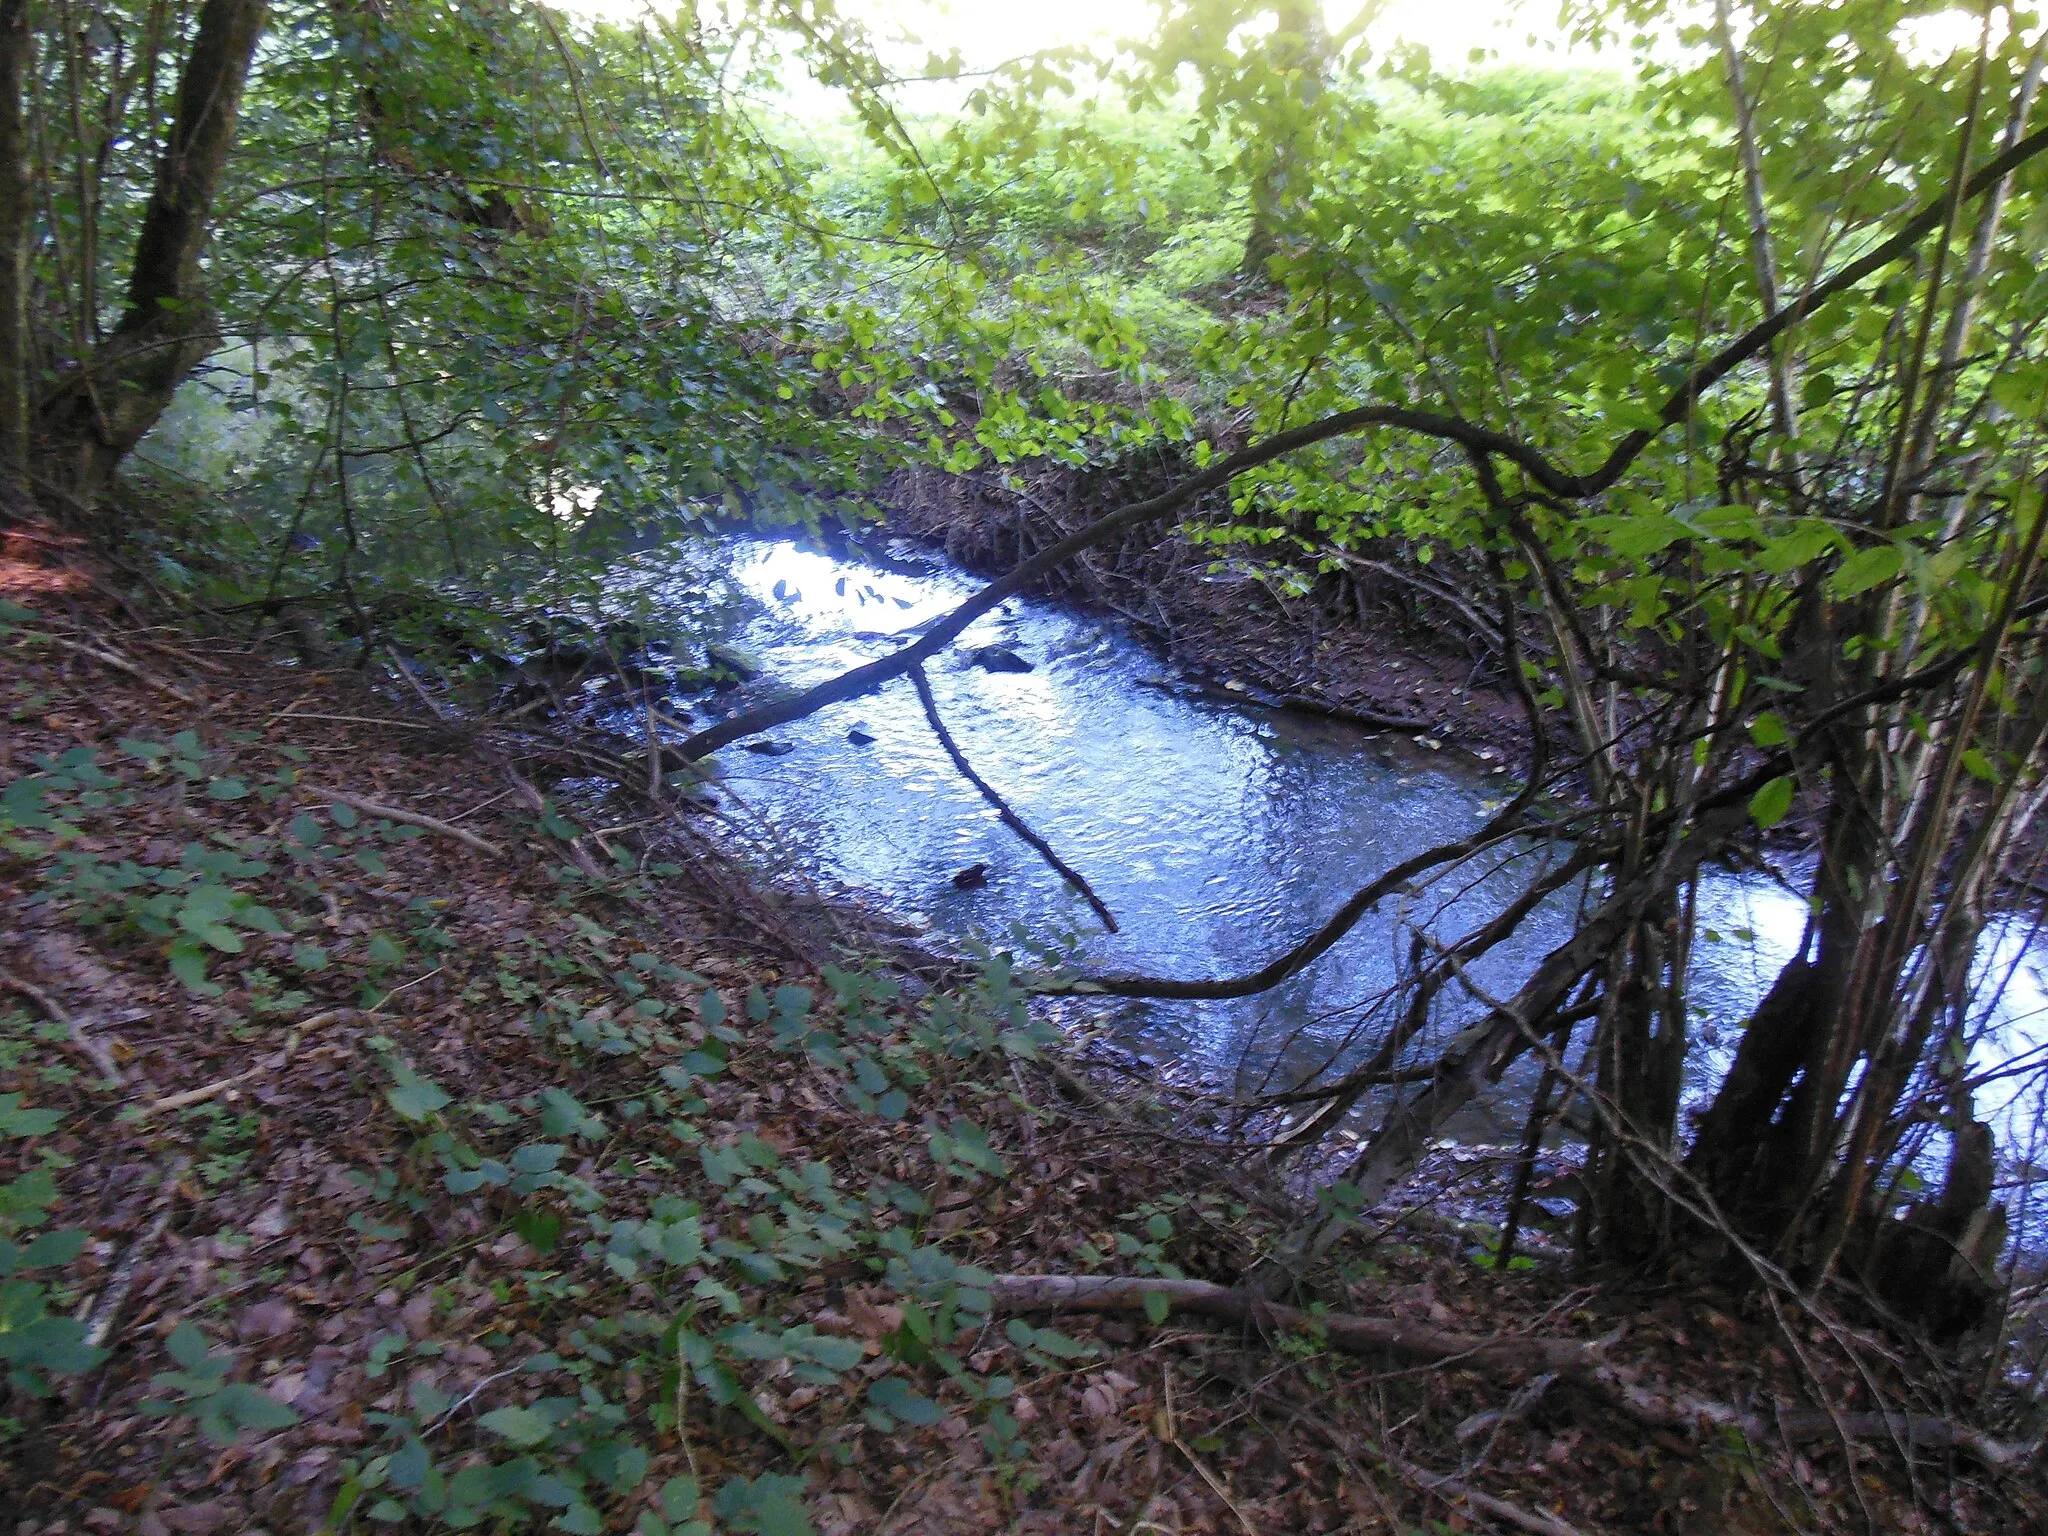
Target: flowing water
1218 835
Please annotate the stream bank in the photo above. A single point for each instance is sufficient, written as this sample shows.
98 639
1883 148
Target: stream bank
1363 643
461 1166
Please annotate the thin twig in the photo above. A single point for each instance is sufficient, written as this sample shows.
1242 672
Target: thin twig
409 818
122 664
213 1090
121 1279
396 725
93 1050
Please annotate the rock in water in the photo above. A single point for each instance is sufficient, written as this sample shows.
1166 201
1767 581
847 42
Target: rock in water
735 663
972 878
999 658
770 748
859 734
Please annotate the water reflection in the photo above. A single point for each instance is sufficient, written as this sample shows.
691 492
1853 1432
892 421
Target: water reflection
1217 835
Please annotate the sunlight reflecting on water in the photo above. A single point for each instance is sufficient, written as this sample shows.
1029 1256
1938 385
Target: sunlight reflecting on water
1217 835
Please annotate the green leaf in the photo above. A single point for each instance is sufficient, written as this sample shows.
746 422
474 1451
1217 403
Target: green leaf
893 1396
53 1248
1769 805
537 1157
768 1505
414 1097
187 1346
1768 730
522 1426
15 1120
1157 1307
1865 569
679 1498
247 1407
1804 544
188 963
1631 537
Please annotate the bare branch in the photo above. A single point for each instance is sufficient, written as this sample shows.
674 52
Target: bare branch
1002 807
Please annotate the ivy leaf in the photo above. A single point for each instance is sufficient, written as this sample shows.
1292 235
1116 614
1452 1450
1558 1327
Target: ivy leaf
414 1097
892 1395
764 1506
18 1121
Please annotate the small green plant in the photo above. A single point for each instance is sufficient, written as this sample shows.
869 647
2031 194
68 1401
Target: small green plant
221 1409
35 1341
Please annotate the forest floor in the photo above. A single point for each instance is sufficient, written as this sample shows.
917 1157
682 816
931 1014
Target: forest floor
445 1153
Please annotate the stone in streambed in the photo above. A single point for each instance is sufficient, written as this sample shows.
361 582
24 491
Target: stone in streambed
999 658
770 748
972 878
736 664
859 734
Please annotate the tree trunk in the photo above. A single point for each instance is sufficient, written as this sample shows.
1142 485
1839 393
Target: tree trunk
103 407
1299 45
17 201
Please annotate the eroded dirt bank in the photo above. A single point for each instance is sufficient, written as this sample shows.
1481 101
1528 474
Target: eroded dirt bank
1372 644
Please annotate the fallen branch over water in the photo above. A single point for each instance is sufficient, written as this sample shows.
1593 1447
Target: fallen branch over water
1288 703
1002 807
1481 442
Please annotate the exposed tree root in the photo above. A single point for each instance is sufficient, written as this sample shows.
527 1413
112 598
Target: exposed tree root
94 1051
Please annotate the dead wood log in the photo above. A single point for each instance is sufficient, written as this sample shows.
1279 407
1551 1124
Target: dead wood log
1908 1431
1415 1342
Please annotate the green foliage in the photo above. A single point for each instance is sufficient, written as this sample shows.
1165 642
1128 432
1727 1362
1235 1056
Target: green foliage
36 1340
220 1409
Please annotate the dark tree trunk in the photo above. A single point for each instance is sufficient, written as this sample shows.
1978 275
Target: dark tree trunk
17 201
1641 1061
104 405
